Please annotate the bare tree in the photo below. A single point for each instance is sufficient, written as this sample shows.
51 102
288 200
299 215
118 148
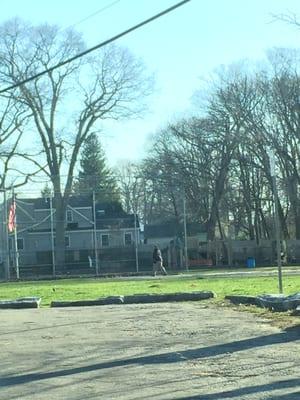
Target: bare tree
13 118
67 104
131 184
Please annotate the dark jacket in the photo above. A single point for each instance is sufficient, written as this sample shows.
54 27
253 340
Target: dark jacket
156 255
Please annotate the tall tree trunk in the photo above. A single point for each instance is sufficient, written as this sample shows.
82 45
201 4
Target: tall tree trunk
282 220
294 202
60 233
218 193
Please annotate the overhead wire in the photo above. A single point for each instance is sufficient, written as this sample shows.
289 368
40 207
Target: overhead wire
92 15
98 46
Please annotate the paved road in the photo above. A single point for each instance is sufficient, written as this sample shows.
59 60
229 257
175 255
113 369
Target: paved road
136 352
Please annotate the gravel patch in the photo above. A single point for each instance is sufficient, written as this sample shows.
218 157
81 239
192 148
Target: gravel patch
175 351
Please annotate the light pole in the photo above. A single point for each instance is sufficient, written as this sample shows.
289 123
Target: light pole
5 253
276 215
185 233
136 245
16 236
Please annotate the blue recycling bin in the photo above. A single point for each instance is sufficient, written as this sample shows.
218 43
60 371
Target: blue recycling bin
250 262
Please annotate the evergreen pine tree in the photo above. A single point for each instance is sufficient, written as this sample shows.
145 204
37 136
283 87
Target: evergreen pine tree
46 191
94 174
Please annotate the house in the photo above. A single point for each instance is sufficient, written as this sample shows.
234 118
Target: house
165 232
115 231
162 234
169 236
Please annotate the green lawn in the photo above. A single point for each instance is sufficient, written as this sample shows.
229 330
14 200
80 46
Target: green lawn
75 289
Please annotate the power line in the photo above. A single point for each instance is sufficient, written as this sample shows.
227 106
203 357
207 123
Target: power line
93 14
102 44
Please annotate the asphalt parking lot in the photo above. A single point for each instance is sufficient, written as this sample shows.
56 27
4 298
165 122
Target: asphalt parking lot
174 351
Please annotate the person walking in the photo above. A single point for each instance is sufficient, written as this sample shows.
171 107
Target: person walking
158 262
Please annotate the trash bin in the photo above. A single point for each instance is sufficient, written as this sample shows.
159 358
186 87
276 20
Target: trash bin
250 262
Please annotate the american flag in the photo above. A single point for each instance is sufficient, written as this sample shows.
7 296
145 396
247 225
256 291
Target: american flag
12 217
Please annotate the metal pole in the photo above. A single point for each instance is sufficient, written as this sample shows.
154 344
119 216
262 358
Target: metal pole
185 234
277 224
95 235
5 237
136 245
16 239
277 232
52 238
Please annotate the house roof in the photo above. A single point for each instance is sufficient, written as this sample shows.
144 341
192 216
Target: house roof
172 229
161 230
109 215
118 222
111 209
41 203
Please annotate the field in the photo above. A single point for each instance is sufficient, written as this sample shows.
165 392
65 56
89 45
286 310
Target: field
89 288
164 351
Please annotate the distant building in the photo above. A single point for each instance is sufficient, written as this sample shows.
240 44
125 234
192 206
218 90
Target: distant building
169 236
167 231
114 229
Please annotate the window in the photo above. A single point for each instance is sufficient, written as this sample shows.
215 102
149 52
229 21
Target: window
104 240
67 241
69 216
128 239
20 243
100 213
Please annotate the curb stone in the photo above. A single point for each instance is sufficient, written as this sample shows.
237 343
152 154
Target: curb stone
296 312
22 302
241 299
279 302
274 302
98 302
136 299
167 297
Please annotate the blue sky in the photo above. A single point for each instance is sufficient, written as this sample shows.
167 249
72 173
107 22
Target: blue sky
181 48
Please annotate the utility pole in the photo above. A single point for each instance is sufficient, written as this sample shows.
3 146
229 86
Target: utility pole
5 244
185 233
277 223
95 235
14 204
136 244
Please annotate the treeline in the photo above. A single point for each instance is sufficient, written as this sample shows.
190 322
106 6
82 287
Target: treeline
219 159
216 162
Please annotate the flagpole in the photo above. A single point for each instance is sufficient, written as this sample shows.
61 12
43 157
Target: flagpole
16 238
7 261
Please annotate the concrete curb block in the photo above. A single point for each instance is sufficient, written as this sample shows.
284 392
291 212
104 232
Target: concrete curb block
167 297
98 302
278 302
136 299
240 299
274 302
22 302
296 312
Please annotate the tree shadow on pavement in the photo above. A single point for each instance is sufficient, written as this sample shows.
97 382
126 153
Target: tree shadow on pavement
290 334
289 383
290 396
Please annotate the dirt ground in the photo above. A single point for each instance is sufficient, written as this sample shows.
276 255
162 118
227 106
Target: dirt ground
174 351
